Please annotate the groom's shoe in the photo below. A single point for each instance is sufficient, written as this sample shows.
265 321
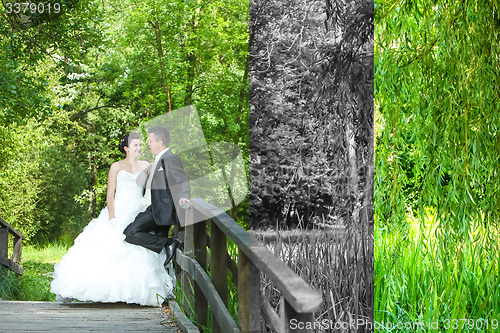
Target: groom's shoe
171 249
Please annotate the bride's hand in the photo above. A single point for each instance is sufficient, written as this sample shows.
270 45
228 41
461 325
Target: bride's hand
147 169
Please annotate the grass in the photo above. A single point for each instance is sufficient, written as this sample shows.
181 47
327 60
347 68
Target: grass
188 306
426 274
34 284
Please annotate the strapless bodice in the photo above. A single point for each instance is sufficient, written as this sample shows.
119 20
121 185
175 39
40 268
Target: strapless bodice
128 195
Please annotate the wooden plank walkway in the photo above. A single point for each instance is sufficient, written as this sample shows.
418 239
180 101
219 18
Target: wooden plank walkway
82 317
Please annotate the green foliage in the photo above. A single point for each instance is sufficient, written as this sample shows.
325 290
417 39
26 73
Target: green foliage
436 92
38 174
34 284
78 82
232 297
437 100
180 297
26 47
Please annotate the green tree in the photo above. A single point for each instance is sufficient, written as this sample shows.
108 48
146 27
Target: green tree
437 95
28 42
437 158
39 175
97 70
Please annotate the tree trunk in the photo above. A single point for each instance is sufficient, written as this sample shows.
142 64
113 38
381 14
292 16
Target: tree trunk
163 83
353 165
242 95
94 184
191 60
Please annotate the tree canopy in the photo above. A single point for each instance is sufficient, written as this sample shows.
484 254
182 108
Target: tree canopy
311 112
437 204
437 92
73 83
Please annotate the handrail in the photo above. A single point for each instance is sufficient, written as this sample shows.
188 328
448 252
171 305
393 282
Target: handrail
299 300
191 266
295 290
14 263
232 229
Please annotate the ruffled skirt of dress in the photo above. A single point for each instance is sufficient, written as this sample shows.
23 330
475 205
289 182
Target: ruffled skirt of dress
102 267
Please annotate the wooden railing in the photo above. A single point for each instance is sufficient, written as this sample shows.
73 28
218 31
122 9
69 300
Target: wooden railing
14 263
298 301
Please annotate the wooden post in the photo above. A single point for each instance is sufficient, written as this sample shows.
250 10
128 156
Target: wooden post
243 292
179 233
4 242
188 301
218 258
295 322
16 253
248 295
200 254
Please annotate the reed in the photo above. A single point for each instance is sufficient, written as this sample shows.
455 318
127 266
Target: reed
338 263
425 274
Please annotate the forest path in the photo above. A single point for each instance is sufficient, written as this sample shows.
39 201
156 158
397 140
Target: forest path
82 317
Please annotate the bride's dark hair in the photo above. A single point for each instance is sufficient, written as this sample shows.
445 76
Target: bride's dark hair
124 142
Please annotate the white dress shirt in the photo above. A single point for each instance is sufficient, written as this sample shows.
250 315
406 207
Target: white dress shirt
147 195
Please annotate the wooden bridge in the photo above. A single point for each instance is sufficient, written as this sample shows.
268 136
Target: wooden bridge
298 300
14 261
204 279
82 317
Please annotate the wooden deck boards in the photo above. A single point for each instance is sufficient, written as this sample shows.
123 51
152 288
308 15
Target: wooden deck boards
81 317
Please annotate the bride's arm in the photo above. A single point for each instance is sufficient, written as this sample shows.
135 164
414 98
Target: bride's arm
147 166
110 197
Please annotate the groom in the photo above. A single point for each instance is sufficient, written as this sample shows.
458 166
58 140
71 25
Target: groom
166 186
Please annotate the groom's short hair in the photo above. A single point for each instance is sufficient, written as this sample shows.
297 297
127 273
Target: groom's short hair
161 134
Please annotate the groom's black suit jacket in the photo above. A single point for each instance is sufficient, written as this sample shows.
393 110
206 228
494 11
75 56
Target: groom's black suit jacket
169 184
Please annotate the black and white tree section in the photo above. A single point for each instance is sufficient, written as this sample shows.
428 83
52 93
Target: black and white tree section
311 112
312 147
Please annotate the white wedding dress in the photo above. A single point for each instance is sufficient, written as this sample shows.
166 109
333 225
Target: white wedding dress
102 267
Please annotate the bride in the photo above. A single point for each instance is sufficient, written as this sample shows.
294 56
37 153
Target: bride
101 266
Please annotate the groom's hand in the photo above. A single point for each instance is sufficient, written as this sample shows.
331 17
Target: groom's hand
183 201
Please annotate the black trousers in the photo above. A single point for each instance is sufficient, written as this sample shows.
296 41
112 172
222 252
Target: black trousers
139 232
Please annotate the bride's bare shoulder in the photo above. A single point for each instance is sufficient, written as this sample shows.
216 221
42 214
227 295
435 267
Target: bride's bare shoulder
116 166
